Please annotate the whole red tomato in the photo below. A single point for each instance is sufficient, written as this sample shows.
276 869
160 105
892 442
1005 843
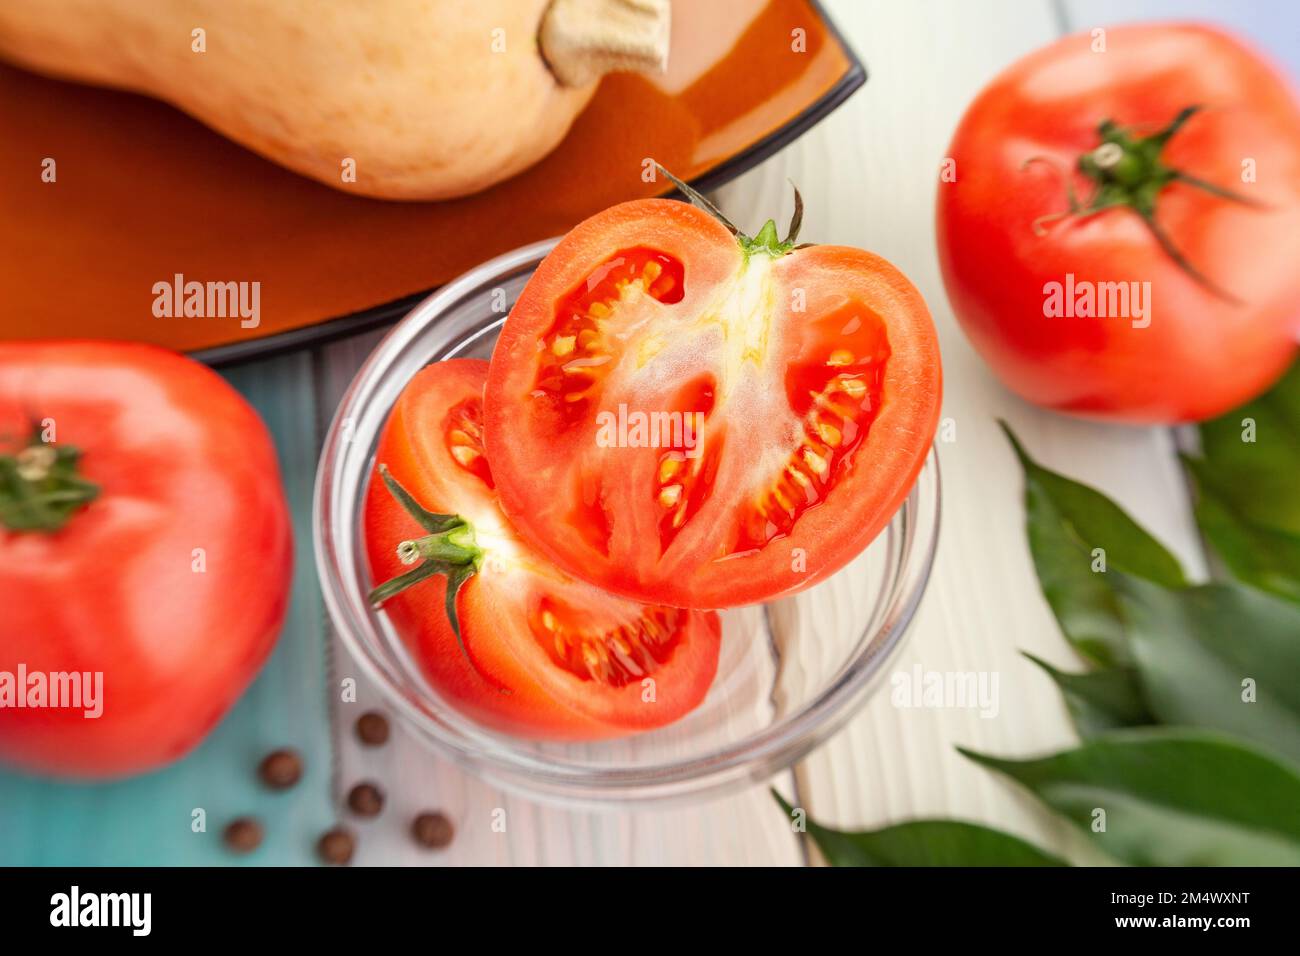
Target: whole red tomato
144 548
1119 239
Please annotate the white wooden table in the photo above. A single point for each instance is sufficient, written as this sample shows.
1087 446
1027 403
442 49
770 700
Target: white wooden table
868 175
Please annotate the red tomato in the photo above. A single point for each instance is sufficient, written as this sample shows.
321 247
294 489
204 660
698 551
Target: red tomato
1215 275
159 557
690 419
539 653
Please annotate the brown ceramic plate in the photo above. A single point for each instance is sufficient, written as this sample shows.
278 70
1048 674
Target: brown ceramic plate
143 192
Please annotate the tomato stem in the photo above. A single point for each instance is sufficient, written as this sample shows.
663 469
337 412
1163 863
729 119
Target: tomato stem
766 240
1127 169
449 549
40 488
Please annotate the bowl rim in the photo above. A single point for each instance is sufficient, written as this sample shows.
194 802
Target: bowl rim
750 759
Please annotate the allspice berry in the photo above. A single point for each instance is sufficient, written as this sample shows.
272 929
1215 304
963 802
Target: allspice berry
366 800
280 769
336 846
243 835
372 728
433 830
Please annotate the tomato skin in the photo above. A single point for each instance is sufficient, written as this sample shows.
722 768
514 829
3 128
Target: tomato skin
183 462
1201 354
711 562
503 678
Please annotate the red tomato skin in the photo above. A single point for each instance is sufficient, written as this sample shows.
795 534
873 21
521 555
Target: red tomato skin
183 462
879 477
502 678
1201 355
493 690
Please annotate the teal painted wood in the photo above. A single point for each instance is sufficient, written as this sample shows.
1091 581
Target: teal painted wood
147 821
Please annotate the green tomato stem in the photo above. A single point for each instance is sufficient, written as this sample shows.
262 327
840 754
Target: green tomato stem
450 549
41 488
1128 169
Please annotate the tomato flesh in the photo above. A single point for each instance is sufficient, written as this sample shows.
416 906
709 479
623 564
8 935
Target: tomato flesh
463 434
755 405
545 655
578 345
593 650
836 392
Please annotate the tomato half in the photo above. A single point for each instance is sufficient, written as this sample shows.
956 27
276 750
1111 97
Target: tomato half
539 653
1184 235
704 420
144 537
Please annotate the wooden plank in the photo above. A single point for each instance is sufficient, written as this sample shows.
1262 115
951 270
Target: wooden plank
146 821
744 828
869 174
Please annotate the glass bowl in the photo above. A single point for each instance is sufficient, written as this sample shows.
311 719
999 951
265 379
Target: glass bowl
791 672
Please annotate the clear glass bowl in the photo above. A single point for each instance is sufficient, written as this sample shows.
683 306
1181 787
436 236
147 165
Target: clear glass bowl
792 672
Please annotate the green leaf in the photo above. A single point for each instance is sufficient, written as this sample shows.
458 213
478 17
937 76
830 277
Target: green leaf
924 843
1266 557
1195 647
1100 700
1171 797
1259 476
1066 521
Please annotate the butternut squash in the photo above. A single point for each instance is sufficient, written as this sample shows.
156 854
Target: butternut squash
400 99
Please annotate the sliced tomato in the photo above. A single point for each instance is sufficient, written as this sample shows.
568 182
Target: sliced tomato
539 653
688 417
